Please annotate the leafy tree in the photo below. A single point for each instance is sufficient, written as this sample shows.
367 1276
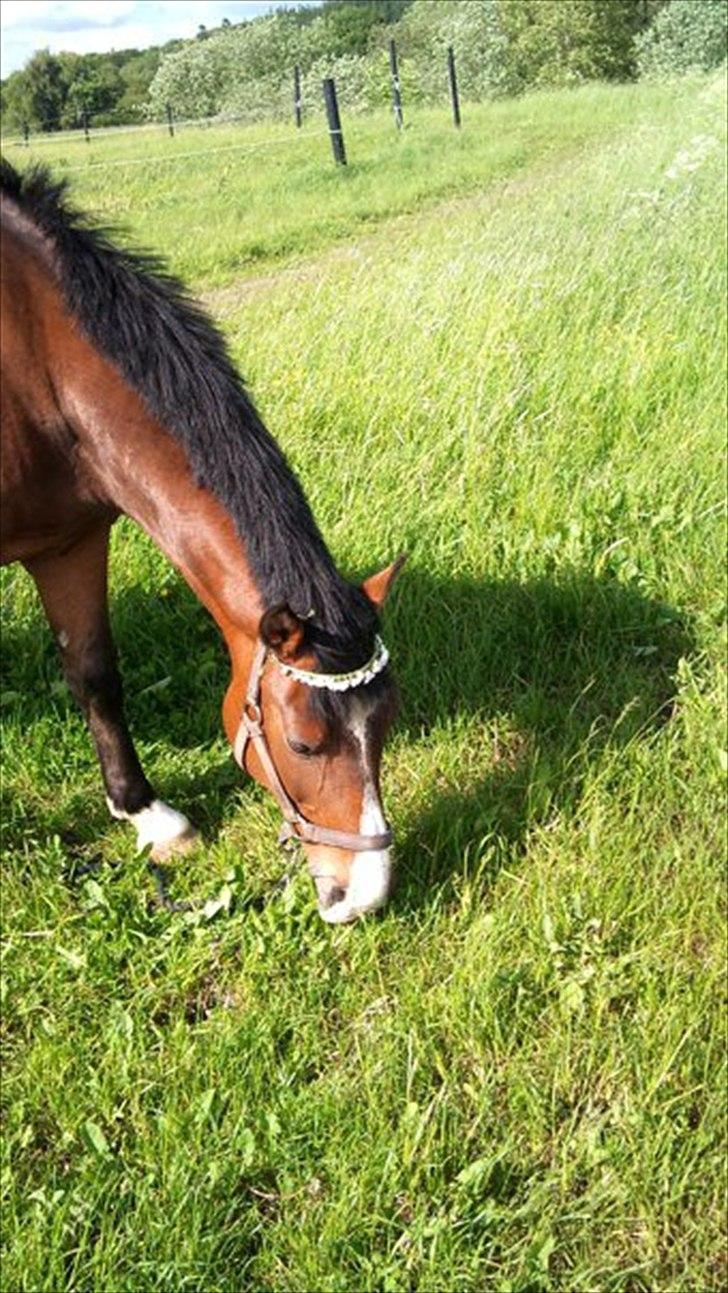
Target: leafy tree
93 85
563 42
53 90
137 73
235 65
194 77
472 27
37 93
16 107
379 11
346 26
686 35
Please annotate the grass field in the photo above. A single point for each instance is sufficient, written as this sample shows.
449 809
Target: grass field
503 352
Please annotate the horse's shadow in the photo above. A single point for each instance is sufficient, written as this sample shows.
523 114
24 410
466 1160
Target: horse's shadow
557 669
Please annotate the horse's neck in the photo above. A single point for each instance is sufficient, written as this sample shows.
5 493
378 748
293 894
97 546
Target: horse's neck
144 472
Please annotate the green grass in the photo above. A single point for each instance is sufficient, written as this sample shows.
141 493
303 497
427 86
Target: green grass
223 200
512 1079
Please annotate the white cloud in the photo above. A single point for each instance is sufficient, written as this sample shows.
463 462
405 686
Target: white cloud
50 14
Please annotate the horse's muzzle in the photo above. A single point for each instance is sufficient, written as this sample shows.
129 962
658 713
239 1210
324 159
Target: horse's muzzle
368 888
328 891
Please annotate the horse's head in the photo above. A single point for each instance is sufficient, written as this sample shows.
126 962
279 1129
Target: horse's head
318 748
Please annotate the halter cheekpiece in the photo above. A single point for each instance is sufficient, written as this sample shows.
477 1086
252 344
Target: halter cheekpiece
250 728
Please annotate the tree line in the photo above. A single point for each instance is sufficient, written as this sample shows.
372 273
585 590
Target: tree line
503 47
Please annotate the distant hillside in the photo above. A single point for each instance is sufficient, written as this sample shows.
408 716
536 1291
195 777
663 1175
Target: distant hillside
245 69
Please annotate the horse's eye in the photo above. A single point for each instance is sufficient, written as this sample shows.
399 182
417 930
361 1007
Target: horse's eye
300 747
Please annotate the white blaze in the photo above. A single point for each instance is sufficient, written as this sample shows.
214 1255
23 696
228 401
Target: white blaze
370 872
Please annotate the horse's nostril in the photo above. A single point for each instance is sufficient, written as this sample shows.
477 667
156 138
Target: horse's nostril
328 891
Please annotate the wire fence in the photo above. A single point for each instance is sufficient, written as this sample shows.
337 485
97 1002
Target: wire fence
81 134
196 152
54 129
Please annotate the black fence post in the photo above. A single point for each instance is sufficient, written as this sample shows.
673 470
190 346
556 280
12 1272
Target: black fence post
26 133
332 112
170 119
85 127
453 86
297 95
396 96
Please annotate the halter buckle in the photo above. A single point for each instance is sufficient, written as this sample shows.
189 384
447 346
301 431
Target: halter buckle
253 717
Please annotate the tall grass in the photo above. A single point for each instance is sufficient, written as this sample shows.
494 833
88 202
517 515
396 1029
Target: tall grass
514 1078
220 201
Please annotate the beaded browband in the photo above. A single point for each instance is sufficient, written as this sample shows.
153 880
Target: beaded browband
341 681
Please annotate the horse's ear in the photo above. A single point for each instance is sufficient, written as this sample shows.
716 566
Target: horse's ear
282 631
377 587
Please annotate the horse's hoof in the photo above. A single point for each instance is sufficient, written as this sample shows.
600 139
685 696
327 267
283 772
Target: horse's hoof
161 829
182 843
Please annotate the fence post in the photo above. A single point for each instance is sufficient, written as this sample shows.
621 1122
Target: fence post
396 96
26 133
170 119
297 95
85 127
453 86
332 112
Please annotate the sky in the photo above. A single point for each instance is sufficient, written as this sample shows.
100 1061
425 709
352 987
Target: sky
95 26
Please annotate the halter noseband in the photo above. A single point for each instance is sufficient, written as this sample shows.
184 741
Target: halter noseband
296 826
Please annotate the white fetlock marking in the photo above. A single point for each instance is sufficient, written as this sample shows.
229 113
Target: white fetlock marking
158 824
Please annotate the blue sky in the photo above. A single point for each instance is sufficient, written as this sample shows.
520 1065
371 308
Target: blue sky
94 26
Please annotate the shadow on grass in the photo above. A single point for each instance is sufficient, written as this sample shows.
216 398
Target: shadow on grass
559 669
562 667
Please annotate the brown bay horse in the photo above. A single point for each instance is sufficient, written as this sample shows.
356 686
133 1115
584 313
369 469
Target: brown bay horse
118 396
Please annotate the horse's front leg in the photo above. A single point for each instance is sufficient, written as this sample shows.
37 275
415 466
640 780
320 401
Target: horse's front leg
73 590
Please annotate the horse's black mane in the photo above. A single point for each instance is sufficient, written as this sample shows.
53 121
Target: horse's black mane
167 348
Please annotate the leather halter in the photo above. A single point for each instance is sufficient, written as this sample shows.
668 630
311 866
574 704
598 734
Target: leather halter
295 826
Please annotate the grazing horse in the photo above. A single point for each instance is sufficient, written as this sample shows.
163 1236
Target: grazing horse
118 396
